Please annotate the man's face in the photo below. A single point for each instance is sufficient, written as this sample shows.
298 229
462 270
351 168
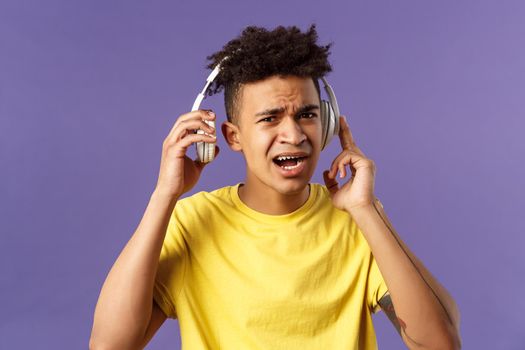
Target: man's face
280 117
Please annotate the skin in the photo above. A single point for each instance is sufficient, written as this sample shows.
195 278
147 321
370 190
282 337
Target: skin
427 317
261 138
126 317
388 308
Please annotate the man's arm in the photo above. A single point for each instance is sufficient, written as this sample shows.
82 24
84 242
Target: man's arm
427 317
388 308
125 314
442 294
157 319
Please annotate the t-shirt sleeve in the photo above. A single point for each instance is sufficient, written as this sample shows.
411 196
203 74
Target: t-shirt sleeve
376 286
171 267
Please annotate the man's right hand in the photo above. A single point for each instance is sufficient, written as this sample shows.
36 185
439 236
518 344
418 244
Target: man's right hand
179 173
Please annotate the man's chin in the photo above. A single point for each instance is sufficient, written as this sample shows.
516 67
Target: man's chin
293 186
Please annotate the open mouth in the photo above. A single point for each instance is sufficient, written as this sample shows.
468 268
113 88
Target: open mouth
289 162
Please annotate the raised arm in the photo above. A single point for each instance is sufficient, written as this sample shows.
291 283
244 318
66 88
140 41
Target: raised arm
125 315
427 316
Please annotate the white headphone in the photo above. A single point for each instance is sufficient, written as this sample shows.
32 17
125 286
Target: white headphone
329 117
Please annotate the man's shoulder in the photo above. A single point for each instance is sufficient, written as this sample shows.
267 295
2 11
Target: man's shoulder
220 195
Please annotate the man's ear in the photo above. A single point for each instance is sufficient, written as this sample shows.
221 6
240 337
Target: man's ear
231 134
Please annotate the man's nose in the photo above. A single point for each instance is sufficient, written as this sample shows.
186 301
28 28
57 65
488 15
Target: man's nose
290 131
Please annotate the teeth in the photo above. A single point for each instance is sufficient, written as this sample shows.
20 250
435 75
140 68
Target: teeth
286 157
290 167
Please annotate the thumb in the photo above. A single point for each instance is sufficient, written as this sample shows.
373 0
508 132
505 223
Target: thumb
201 165
331 184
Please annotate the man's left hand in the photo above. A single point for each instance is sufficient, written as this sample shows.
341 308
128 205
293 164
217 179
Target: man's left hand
359 190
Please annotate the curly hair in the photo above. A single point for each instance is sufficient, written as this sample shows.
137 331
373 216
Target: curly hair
259 53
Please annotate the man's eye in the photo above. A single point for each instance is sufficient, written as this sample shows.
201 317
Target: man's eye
267 119
309 115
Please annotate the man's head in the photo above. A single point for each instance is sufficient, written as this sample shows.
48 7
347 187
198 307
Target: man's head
272 102
259 53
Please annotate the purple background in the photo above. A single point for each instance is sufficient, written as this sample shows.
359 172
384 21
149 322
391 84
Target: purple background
434 93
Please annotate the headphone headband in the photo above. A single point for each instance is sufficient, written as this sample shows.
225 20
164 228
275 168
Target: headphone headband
329 114
327 87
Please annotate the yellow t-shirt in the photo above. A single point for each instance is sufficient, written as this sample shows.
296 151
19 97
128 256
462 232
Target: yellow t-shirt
239 279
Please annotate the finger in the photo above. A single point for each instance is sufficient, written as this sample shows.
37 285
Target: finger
179 147
340 161
189 127
342 170
349 159
193 138
204 114
349 138
199 114
331 183
345 135
333 166
195 115
195 125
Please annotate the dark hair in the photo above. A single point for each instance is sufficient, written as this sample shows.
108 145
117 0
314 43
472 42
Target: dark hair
258 53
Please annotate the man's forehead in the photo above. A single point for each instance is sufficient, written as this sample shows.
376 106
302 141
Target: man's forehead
279 92
308 107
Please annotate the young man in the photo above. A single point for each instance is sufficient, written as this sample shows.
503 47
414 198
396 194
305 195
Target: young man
275 262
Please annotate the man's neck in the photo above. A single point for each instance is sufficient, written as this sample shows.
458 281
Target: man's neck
263 199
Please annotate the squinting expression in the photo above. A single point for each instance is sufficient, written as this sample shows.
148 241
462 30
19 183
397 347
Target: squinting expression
280 132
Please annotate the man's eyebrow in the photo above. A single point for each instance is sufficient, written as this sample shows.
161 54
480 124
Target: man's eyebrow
302 109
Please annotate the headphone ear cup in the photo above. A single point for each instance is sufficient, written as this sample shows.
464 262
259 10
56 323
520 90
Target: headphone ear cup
330 123
325 118
205 150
